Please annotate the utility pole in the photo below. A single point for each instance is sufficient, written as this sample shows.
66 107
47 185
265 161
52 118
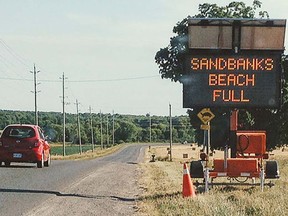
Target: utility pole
35 93
91 125
101 130
79 130
150 128
113 129
63 108
170 115
107 131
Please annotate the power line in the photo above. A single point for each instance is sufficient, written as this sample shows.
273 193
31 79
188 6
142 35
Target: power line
13 53
15 79
73 81
118 79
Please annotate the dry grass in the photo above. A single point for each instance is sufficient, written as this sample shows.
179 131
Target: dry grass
162 185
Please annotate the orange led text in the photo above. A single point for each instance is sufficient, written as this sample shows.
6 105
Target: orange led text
231 79
229 96
232 64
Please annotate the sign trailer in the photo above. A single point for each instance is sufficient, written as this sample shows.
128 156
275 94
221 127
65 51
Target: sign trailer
236 64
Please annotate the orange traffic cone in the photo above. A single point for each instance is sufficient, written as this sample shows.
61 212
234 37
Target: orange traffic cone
187 187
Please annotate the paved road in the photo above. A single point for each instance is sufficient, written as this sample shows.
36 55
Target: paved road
103 186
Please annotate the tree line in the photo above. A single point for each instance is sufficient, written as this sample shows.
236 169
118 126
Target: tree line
127 128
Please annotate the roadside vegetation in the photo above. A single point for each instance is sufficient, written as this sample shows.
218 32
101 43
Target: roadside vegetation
161 182
72 151
127 128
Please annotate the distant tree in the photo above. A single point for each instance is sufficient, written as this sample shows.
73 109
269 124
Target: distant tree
126 132
57 133
143 135
232 10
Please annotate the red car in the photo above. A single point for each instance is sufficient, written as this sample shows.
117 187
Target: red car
24 143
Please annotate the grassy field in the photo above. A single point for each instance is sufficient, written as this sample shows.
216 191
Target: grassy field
73 152
57 149
161 182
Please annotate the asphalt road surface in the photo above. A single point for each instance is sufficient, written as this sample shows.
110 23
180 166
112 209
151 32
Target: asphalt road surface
103 186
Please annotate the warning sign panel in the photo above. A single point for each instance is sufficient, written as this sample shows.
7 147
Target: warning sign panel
205 115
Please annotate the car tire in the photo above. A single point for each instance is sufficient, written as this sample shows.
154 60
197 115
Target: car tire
40 163
48 162
7 163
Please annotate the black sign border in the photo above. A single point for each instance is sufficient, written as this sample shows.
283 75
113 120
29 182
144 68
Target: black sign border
188 101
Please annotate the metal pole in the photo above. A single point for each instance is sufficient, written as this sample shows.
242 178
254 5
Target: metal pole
150 128
204 140
101 130
35 94
107 131
64 118
206 178
113 129
206 146
170 114
91 125
79 130
225 158
262 179
208 140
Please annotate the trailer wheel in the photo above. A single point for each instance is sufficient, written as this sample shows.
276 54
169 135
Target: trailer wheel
196 169
271 170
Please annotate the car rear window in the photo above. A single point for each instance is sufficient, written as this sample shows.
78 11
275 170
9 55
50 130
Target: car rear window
19 132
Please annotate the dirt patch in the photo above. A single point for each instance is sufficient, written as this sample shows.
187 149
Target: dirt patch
180 152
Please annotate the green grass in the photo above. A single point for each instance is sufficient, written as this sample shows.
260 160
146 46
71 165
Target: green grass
70 149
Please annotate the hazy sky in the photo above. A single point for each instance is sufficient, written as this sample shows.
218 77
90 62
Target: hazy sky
106 49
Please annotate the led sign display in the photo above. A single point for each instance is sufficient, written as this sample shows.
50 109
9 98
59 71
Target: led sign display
232 80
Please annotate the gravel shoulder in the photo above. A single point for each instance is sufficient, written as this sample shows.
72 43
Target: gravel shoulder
110 189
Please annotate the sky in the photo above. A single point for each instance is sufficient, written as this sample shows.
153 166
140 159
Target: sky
104 48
